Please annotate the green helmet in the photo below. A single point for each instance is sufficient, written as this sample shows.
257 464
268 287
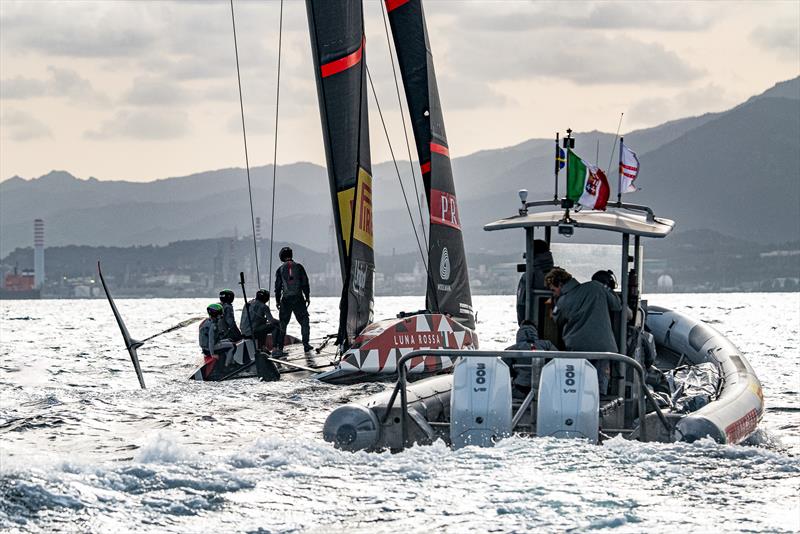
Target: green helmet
214 310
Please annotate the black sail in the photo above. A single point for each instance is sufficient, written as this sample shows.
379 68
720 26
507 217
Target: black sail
449 291
337 44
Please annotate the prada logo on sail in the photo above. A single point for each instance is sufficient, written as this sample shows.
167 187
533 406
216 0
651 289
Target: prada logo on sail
444 209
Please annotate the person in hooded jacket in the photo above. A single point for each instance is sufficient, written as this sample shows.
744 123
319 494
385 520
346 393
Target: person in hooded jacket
211 335
292 296
263 323
584 311
525 375
228 325
542 263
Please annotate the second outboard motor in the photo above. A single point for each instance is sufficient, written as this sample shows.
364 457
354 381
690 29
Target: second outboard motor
480 403
569 400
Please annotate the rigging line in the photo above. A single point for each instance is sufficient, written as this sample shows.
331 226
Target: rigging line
614 146
405 130
402 187
275 147
244 136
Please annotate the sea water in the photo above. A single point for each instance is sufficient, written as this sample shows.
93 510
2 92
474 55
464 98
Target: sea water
83 449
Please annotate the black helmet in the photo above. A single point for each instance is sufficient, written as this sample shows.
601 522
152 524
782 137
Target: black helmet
214 310
285 254
226 296
606 278
262 295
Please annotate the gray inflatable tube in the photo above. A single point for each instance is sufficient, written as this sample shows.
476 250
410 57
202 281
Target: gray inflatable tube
735 414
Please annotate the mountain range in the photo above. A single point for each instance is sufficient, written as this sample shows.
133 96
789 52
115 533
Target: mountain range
735 172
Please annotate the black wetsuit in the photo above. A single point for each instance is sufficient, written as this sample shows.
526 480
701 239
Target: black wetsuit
292 292
263 322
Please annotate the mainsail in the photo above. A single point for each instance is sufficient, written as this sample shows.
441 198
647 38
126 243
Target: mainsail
449 291
337 43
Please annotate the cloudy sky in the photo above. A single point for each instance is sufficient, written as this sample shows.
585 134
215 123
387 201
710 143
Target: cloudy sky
146 90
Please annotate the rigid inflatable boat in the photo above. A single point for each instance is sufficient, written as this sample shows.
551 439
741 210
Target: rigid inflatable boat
676 379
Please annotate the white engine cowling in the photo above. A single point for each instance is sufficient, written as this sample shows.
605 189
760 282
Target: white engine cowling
569 400
480 403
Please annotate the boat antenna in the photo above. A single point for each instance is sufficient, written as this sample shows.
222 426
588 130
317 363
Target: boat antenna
614 146
557 168
246 158
275 147
403 189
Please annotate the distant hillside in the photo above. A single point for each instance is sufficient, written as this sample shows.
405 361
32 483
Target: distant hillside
734 172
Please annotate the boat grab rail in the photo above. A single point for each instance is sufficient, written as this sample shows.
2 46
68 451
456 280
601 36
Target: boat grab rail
622 205
402 371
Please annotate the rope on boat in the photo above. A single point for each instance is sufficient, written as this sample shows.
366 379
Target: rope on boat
275 147
405 132
244 136
403 188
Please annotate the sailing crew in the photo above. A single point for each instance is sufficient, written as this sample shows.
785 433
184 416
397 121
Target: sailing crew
228 324
257 311
211 339
292 295
524 374
583 311
542 263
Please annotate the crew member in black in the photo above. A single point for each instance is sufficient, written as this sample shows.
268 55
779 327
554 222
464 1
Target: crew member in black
257 311
228 326
542 263
292 295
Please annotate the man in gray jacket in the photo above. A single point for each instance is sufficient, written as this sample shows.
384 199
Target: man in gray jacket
583 311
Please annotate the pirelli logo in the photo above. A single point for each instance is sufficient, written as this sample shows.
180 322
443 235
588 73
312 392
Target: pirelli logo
363 209
444 209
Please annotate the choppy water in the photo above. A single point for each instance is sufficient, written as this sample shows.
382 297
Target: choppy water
83 449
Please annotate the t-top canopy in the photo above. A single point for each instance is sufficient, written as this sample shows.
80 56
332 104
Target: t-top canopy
612 221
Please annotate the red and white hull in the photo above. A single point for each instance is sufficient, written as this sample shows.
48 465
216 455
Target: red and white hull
381 344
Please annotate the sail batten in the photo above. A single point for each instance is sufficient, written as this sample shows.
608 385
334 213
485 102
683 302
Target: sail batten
449 292
338 49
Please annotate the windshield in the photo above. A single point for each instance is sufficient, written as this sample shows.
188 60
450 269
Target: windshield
583 260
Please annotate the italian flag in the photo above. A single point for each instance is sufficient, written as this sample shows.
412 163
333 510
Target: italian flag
586 184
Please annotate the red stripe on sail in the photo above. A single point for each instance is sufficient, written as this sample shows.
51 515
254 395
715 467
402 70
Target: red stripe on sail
391 5
425 167
440 149
339 65
628 167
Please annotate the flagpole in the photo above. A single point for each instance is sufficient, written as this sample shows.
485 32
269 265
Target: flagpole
616 135
619 181
568 144
555 193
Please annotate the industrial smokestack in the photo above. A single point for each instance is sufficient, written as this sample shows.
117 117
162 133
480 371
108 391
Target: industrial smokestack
38 253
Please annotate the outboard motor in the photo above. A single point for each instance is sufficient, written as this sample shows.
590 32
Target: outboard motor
480 403
352 427
569 400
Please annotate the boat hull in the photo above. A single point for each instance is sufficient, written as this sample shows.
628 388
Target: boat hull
380 345
730 418
735 414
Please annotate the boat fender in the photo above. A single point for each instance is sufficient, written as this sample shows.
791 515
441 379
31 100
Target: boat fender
352 427
569 400
480 403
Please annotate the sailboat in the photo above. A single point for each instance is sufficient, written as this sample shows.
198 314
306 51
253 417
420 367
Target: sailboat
367 348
